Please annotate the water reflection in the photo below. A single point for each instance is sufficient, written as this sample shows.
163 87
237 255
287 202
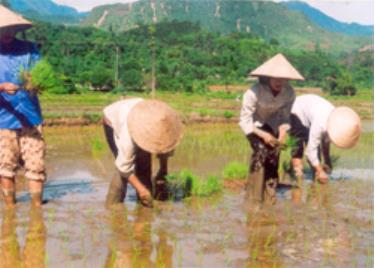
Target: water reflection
33 254
132 243
262 239
318 195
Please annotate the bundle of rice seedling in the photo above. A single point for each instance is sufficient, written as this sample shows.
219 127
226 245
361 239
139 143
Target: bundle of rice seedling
41 78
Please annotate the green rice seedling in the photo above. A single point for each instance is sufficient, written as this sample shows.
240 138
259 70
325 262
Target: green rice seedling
51 215
285 156
188 184
92 117
228 114
41 78
211 184
235 170
203 112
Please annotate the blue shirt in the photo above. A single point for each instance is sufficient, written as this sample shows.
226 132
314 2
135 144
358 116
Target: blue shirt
21 109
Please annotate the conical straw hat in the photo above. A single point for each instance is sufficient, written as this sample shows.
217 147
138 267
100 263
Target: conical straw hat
277 67
10 19
344 127
154 126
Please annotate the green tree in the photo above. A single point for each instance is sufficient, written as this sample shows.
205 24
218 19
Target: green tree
342 85
102 78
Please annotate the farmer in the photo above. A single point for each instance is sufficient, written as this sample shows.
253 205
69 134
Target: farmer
264 119
136 128
21 140
315 122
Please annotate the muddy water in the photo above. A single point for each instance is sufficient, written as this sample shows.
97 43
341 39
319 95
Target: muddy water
331 227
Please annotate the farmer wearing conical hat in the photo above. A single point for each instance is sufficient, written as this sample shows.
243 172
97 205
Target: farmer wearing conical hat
315 123
264 119
20 113
135 129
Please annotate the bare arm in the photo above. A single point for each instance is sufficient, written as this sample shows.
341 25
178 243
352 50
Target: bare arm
326 154
9 87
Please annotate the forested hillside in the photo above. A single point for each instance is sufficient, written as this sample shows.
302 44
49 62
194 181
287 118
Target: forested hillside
329 23
187 58
267 19
45 10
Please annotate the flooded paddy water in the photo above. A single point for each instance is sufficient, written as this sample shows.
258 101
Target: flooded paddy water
332 227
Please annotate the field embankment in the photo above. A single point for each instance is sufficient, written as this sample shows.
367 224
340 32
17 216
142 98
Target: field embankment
87 108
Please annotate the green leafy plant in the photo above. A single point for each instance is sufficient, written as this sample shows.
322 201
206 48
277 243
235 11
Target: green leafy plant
228 114
285 155
289 144
187 184
42 78
235 170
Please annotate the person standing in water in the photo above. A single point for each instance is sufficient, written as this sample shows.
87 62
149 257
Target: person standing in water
315 124
21 140
135 129
265 120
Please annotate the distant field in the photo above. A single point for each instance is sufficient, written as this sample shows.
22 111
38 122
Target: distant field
207 107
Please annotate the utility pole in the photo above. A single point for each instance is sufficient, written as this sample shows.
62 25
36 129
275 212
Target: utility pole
153 71
116 66
153 48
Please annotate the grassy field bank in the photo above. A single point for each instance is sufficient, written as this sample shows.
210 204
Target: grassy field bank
208 107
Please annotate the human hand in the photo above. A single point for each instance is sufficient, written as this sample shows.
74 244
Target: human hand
161 186
321 175
269 139
327 168
9 88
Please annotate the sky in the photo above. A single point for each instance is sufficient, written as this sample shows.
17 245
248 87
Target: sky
359 11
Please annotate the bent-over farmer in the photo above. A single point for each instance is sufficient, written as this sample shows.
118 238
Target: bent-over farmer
135 129
315 123
21 140
264 119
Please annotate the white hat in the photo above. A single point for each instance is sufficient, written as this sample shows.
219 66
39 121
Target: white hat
344 127
154 126
277 67
9 19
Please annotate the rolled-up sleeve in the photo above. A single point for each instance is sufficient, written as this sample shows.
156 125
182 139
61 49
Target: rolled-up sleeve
247 112
312 149
125 160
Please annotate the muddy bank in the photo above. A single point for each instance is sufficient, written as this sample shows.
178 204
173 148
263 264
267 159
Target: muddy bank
79 121
367 124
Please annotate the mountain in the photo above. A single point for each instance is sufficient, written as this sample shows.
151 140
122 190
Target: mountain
46 10
329 23
269 20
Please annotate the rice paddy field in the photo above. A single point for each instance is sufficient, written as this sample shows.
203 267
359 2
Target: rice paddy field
332 226
206 107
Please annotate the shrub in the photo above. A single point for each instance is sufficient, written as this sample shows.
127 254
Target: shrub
342 85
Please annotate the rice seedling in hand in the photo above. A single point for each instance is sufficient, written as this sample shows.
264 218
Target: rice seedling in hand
41 78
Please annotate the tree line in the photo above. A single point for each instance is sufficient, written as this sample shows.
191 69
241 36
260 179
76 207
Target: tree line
186 58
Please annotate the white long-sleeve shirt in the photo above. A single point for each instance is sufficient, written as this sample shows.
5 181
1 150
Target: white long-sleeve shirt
313 112
117 114
260 106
